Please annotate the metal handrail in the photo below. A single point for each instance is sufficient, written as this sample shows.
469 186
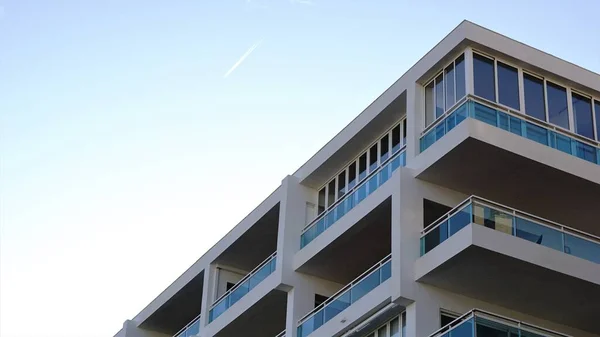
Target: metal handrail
492 204
187 325
237 285
350 191
333 297
508 111
497 318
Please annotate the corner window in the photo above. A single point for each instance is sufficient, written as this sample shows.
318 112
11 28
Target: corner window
483 77
582 115
534 97
558 112
508 86
429 106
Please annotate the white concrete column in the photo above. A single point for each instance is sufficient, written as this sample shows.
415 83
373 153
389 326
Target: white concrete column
415 114
422 317
208 288
300 301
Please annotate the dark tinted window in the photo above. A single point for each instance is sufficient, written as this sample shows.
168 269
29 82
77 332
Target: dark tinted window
331 193
508 86
558 114
373 158
483 77
396 138
321 206
582 115
319 299
341 184
362 166
351 175
459 73
534 97
446 319
404 132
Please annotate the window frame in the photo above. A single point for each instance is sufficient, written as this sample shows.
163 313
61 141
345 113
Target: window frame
591 98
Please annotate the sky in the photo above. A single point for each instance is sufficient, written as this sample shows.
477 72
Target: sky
135 134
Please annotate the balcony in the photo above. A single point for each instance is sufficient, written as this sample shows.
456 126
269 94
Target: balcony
512 222
191 329
495 253
245 285
354 197
345 297
478 323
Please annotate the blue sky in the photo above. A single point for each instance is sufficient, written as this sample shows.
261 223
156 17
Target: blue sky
130 143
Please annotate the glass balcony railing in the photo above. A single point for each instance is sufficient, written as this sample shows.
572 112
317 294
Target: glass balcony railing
348 295
512 222
249 282
352 198
191 329
479 323
515 123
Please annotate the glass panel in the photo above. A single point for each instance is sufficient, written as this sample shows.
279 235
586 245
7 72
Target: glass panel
395 327
450 99
336 306
385 148
508 86
351 176
558 114
483 73
459 220
372 184
382 332
238 293
386 271
586 152
465 329
373 158
531 231
194 329
493 218
429 104
460 77
582 115
404 324
439 96
384 174
364 286
582 248
218 310
362 167
534 97
331 193
597 113
536 133
361 193
321 202
404 123
435 237
341 184
487 328
396 139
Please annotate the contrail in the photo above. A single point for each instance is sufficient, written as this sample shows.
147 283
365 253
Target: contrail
246 54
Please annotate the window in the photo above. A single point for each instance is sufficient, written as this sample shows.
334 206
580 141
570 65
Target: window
341 184
404 324
229 285
534 97
582 115
446 318
362 167
597 110
385 148
439 96
449 76
404 132
429 104
321 202
331 193
558 113
396 139
508 86
351 176
395 328
373 158
459 70
483 77
319 299
392 328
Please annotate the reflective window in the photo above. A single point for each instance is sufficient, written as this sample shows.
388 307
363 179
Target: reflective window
449 77
439 96
459 73
483 77
373 158
508 86
558 112
321 202
351 175
534 97
362 167
597 111
385 148
582 115
429 104
331 193
341 184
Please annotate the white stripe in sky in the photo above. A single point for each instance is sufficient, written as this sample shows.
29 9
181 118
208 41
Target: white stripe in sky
246 54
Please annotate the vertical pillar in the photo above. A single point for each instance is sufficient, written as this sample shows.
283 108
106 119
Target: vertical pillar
300 301
415 114
422 317
208 287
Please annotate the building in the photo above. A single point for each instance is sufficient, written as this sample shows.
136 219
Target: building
465 198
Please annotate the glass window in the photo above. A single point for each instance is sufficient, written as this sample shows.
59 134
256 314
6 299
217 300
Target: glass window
450 100
508 86
439 96
404 324
404 132
395 328
582 115
429 105
446 319
362 167
396 139
534 97
341 184
382 332
321 206
483 77
597 111
558 113
351 175
373 158
331 193
459 73
385 148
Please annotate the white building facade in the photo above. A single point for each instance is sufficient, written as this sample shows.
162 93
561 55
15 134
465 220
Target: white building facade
464 201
